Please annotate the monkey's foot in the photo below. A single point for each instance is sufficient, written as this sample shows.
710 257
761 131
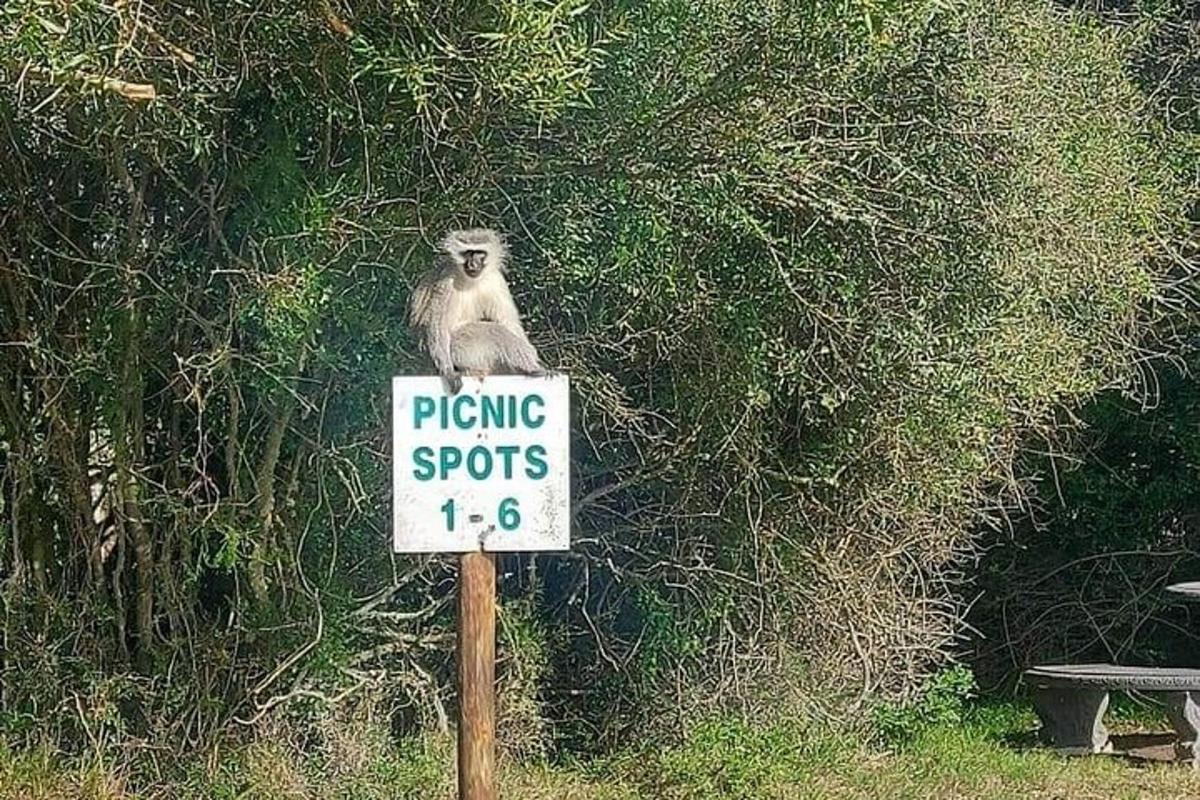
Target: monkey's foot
454 382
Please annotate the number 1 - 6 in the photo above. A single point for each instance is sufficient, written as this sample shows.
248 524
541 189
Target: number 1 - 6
507 515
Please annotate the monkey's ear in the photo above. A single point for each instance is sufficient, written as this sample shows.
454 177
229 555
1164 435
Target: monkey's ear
449 243
500 251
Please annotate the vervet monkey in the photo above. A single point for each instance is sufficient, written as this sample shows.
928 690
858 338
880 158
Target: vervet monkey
465 313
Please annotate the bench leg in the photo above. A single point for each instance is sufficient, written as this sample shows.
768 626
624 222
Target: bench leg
1184 712
1072 719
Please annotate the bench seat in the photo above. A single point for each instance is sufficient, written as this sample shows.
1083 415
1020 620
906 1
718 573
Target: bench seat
1111 676
1070 700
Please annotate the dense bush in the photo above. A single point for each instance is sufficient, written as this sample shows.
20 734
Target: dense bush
814 268
1111 519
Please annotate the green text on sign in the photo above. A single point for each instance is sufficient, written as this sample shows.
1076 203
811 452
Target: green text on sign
466 412
480 462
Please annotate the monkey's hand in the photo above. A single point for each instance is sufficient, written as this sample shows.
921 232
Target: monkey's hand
454 382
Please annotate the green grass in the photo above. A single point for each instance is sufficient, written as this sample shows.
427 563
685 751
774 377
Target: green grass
988 754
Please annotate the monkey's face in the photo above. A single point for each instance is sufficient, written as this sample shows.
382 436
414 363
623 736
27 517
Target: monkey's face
473 262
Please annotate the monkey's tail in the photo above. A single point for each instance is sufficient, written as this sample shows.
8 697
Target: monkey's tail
490 348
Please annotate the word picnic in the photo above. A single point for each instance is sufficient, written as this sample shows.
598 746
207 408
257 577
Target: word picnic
466 412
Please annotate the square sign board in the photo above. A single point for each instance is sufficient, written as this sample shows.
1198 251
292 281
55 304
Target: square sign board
487 468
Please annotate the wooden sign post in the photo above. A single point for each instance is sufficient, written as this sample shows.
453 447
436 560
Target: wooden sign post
486 470
477 676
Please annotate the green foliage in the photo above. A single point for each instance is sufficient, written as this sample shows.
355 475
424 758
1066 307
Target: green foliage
1081 574
667 640
731 758
542 54
942 701
816 271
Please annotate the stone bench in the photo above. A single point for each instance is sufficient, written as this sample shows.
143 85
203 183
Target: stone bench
1071 699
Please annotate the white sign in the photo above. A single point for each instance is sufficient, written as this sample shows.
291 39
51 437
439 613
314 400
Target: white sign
487 468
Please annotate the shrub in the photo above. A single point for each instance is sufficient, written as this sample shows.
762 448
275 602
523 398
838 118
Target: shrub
815 270
942 701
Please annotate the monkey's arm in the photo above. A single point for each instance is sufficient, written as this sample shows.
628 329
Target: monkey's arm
439 350
437 322
504 310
